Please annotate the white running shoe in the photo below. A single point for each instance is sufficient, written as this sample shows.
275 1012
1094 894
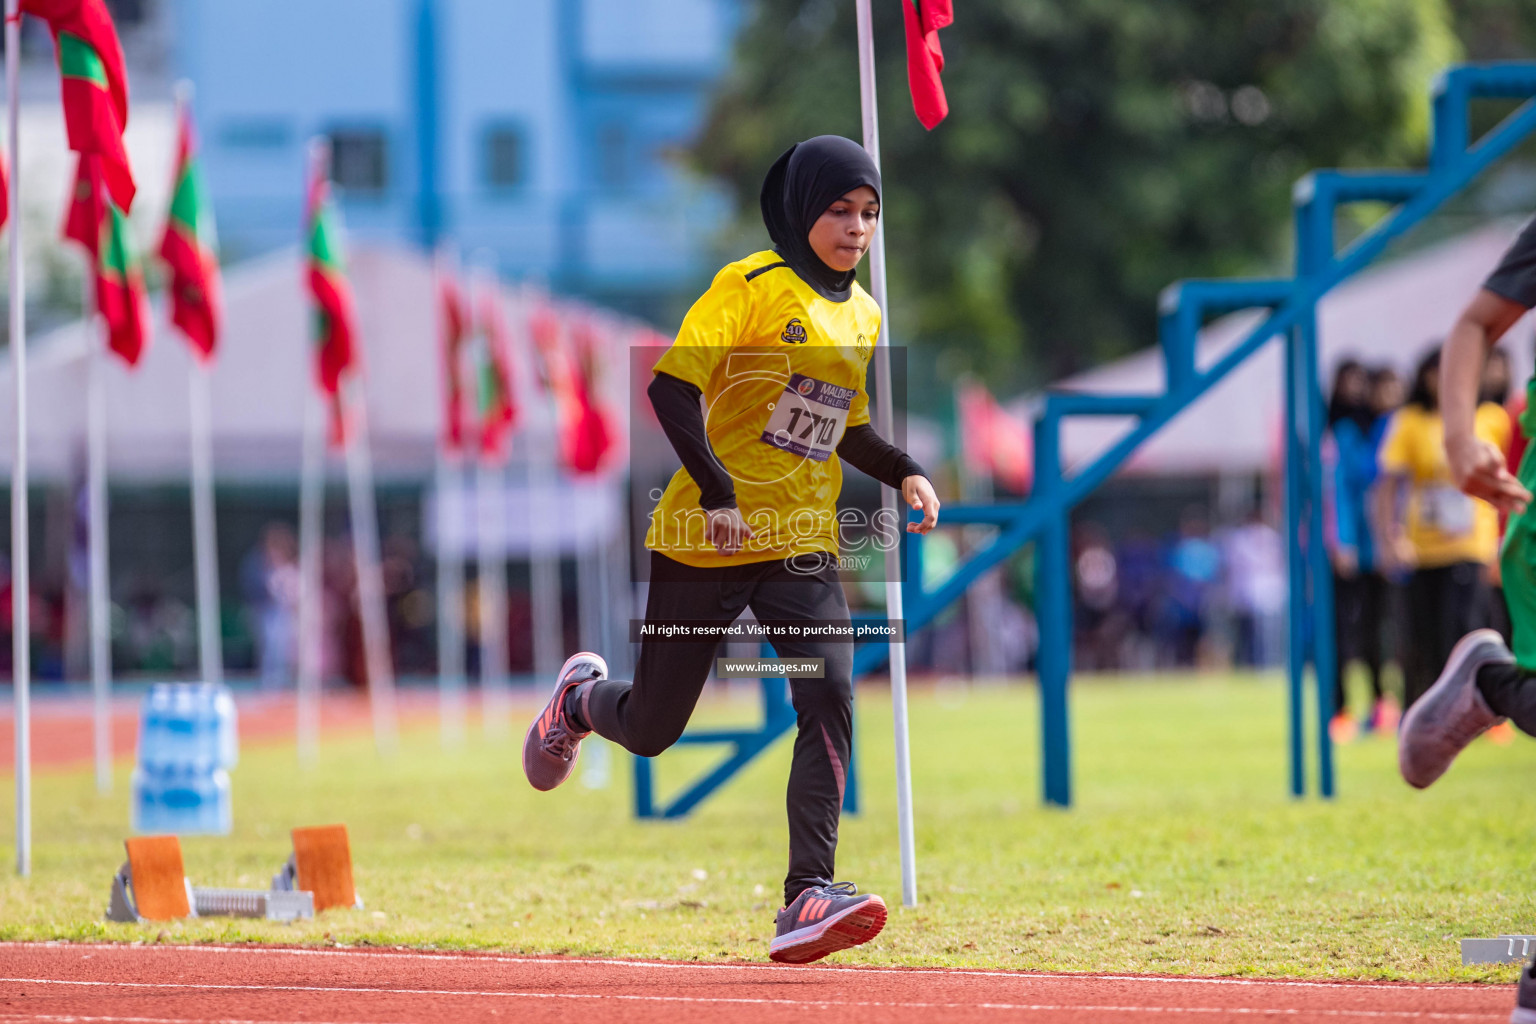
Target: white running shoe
1452 713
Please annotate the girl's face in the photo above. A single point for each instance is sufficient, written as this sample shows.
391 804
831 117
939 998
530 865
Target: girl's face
1388 393
841 235
1354 387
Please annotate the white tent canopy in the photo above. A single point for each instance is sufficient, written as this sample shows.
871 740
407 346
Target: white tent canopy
263 375
1387 315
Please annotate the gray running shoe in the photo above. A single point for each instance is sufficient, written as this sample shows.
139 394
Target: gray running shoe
553 741
823 920
1452 713
1525 997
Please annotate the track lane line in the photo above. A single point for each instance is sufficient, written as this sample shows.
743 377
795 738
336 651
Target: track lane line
750 1001
473 956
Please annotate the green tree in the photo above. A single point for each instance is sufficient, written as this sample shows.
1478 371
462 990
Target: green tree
1095 150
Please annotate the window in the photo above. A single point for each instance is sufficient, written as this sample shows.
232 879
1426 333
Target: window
358 160
256 133
127 13
505 157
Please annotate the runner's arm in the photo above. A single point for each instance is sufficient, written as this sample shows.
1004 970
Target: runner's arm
864 449
1476 464
677 409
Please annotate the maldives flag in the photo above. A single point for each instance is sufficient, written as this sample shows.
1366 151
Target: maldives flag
94 85
455 331
586 437
493 380
335 325
993 442
120 293
925 59
190 249
100 228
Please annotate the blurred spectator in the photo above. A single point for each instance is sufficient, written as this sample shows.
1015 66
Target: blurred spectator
1194 566
269 578
411 608
156 632
1360 590
1497 379
1096 590
1442 539
1254 553
1139 565
342 653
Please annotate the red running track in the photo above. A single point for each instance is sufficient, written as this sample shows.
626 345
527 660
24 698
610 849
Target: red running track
66 983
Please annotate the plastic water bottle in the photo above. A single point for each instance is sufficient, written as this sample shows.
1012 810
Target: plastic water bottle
182 800
182 723
187 741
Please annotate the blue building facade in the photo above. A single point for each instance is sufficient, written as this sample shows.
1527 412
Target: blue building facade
546 131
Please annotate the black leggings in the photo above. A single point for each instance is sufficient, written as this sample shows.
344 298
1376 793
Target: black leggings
648 715
1444 604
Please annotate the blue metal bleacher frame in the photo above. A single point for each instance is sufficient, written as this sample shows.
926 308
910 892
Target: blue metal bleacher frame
1044 518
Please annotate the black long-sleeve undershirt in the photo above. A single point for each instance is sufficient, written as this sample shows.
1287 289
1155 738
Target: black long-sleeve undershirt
676 402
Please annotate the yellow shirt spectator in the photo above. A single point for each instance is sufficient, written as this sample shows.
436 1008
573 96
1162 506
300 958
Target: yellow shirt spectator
1443 525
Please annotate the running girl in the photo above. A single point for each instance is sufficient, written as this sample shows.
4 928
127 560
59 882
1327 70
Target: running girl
778 350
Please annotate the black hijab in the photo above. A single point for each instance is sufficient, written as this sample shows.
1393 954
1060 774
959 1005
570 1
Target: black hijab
800 185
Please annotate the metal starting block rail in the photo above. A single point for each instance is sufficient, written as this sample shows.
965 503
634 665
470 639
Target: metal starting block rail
1505 949
152 884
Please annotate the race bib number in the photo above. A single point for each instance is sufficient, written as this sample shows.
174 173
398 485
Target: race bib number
1447 511
809 417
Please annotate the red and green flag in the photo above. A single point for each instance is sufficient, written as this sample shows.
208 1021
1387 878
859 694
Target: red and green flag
94 85
586 437
94 221
190 249
925 60
455 331
493 379
335 324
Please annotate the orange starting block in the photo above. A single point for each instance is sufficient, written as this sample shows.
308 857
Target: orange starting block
152 886
321 863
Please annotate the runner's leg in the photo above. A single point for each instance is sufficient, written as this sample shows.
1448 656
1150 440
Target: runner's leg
1510 690
647 716
824 710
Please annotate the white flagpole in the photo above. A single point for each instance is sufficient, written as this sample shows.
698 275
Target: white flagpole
890 503
450 599
370 578
547 611
311 601
491 547
450 563
491 588
204 534
21 576
99 599
210 652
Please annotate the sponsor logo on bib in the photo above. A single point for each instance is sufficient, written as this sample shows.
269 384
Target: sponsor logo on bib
794 332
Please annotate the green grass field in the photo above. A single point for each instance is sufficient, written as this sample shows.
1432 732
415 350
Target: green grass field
1184 853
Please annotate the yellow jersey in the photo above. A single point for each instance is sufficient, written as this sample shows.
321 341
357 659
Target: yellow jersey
782 373
1444 525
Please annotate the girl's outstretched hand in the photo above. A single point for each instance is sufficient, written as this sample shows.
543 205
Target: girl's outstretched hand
918 492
